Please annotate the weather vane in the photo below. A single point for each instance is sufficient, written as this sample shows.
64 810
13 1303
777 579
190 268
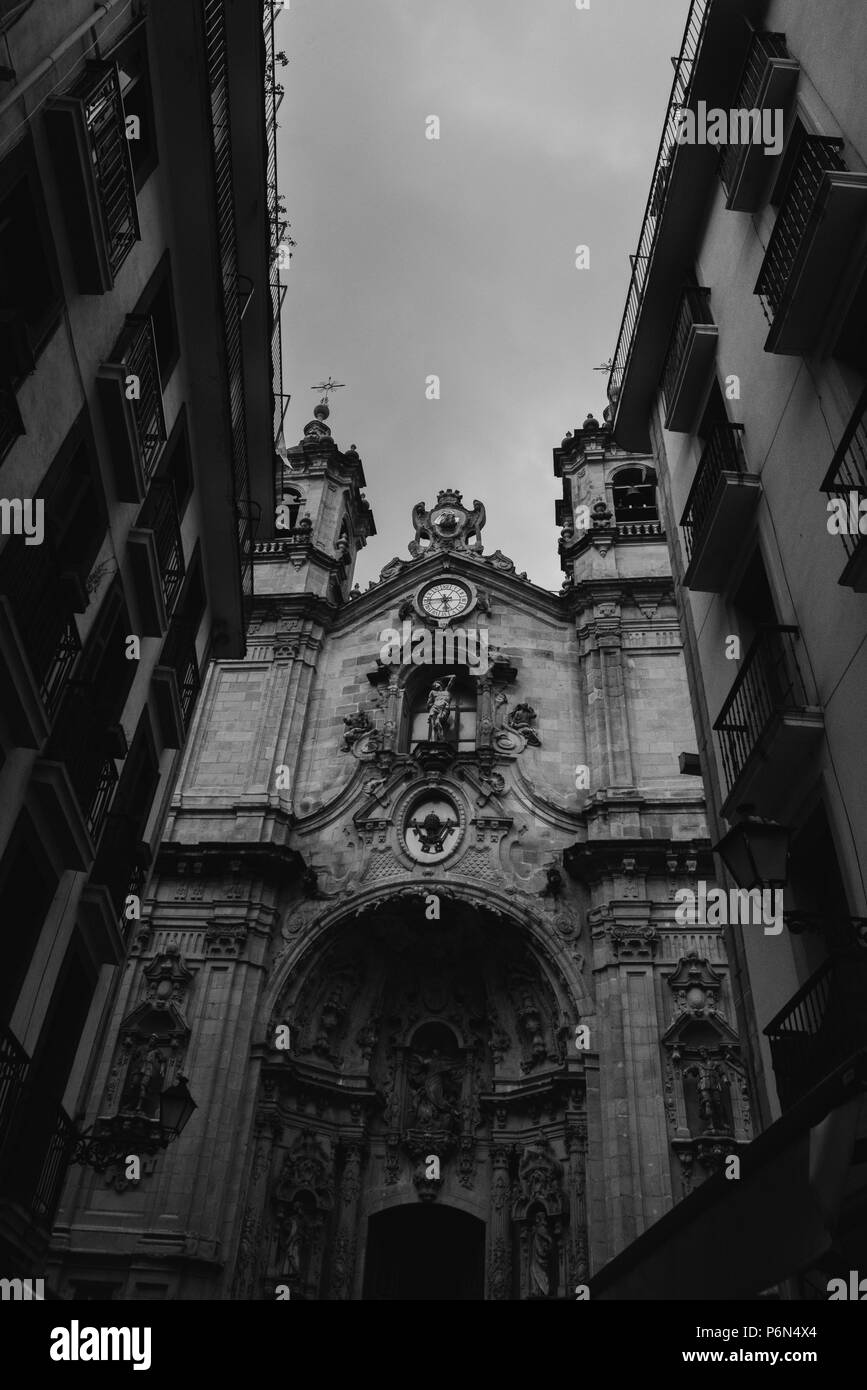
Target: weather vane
327 386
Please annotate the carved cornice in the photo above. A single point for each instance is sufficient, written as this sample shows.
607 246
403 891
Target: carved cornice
600 859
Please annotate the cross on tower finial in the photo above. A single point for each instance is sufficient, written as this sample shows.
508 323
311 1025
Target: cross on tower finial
326 387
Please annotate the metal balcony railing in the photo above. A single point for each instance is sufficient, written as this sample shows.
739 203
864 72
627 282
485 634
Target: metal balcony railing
14 1067
36 1136
822 1027
768 682
179 653
278 222
641 261
79 740
847 475
214 27
137 351
723 453
694 308
763 49
817 157
99 93
160 515
46 626
11 426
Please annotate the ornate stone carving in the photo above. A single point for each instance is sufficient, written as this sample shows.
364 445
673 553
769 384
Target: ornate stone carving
447 526
521 719
354 725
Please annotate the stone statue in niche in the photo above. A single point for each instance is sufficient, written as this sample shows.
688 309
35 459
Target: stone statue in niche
439 707
541 1247
434 1082
145 1078
711 1097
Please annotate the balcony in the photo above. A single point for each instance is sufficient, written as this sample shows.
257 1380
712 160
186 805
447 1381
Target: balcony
123 860
132 400
768 84
847 479
80 760
157 557
767 727
822 1031
36 1138
120 870
177 682
721 501
39 642
689 359
87 133
823 209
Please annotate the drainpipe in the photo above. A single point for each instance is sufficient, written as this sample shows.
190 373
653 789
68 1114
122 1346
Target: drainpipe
48 63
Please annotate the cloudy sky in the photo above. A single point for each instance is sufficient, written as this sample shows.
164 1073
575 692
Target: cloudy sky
456 257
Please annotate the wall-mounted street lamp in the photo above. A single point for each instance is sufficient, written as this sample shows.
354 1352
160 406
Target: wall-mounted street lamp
756 851
110 1141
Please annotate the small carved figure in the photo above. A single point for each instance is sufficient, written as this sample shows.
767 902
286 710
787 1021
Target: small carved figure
354 725
521 720
419 521
554 882
475 521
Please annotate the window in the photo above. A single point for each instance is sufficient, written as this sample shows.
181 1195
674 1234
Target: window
461 731
30 298
27 886
177 463
104 665
135 89
158 303
75 512
634 493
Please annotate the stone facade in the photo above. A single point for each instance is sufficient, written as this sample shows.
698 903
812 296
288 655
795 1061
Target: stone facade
412 934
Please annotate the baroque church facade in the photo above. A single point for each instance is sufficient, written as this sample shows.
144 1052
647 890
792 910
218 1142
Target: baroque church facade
412 931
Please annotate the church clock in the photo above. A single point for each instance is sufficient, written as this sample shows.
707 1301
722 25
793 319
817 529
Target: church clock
445 599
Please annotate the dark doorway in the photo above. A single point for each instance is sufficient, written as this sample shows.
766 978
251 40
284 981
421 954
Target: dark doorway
425 1253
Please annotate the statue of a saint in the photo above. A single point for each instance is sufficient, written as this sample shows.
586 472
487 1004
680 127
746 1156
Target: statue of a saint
541 1243
439 710
710 1091
145 1078
434 1108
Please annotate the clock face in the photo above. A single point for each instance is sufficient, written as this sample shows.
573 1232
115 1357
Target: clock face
445 600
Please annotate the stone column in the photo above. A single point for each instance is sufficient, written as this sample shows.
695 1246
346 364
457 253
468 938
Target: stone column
346 1242
578 1264
500 1242
254 1237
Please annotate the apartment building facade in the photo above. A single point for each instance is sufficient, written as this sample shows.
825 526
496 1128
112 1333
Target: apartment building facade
139 336
742 365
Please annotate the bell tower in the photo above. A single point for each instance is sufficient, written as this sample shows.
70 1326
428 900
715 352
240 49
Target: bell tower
321 517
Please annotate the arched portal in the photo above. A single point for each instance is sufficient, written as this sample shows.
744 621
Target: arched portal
425 1252
430 1069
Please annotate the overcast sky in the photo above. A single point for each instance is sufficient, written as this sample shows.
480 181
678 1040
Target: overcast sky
456 257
